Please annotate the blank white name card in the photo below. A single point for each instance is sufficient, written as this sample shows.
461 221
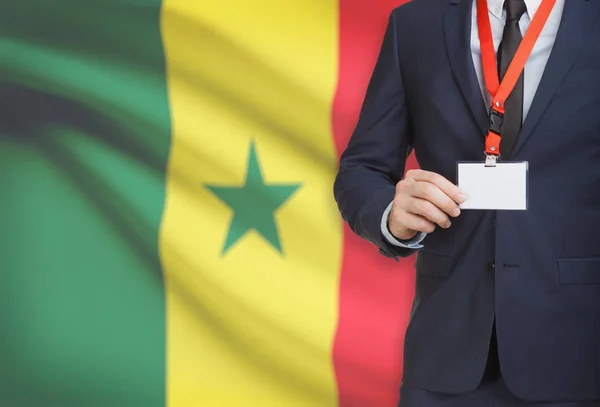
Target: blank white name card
501 187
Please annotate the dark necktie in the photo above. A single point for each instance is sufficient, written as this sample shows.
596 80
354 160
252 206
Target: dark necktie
513 107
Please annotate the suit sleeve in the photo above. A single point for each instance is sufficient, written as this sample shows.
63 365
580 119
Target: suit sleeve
375 158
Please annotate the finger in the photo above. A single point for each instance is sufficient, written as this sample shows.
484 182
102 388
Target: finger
430 192
442 183
429 211
414 222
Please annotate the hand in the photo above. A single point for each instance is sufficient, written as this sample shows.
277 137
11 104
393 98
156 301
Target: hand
423 200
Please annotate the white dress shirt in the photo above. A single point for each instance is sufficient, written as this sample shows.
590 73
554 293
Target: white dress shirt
534 68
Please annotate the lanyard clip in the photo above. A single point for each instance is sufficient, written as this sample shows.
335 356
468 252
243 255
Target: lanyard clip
492 141
496 120
490 160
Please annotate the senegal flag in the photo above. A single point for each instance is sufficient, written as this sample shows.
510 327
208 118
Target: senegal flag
168 230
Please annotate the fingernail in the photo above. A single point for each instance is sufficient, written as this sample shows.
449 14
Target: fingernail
461 198
456 212
447 225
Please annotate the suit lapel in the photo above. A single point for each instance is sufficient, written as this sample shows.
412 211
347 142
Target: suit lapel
457 34
577 20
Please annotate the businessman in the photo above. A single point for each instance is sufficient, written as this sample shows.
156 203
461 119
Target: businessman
507 305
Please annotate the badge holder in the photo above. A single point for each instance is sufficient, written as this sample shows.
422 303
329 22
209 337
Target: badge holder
494 185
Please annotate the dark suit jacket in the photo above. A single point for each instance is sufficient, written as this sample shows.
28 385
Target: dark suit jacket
536 271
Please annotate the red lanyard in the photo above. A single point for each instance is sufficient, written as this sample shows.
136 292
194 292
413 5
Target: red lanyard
501 91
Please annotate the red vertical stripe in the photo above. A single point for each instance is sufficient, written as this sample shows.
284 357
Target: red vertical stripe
376 293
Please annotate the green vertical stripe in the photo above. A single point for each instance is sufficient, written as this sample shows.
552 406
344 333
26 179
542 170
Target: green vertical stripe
84 139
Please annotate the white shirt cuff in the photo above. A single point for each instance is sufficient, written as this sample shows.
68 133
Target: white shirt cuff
413 243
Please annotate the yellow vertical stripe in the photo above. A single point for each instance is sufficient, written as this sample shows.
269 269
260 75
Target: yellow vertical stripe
252 325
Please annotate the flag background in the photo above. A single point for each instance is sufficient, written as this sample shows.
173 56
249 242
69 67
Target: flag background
129 275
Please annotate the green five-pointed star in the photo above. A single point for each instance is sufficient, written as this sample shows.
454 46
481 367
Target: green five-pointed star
254 205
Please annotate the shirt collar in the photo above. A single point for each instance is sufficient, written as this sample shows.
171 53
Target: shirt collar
496 7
